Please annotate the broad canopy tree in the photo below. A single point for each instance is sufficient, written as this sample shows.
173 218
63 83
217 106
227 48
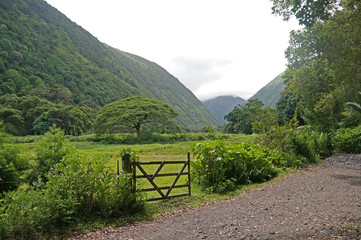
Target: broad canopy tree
133 112
308 12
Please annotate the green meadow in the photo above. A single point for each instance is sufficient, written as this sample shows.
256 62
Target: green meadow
175 151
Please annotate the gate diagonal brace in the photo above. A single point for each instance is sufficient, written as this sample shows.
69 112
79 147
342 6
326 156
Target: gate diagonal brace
176 179
158 170
150 179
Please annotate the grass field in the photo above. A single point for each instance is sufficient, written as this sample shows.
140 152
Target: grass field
157 152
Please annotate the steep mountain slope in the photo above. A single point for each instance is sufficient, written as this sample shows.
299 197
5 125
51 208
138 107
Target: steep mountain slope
166 88
270 93
41 48
222 105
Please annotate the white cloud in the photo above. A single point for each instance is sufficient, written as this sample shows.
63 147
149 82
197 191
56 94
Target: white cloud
195 72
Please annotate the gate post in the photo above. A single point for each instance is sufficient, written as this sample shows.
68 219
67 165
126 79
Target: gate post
189 173
126 163
129 167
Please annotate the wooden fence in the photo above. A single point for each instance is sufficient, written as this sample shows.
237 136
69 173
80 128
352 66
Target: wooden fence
151 178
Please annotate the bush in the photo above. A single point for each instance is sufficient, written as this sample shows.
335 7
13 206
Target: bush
31 213
12 164
299 146
78 188
12 168
347 140
98 190
253 163
220 168
50 150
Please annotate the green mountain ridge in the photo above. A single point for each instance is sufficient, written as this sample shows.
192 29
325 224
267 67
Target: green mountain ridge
269 95
222 105
271 92
42 48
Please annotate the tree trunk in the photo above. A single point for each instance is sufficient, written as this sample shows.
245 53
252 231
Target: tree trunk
138 133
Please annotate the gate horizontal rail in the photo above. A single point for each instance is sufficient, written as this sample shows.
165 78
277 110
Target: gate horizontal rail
163 175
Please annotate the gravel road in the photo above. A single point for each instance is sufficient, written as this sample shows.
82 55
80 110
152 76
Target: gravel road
320 202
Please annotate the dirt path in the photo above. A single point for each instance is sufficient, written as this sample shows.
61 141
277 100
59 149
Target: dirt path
321 202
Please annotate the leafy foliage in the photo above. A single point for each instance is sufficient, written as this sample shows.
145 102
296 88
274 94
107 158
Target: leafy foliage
33 115
308 12
12 165
241 118
355 105
50 150
73 120
348 140
287 108
299 146
221 168
324 64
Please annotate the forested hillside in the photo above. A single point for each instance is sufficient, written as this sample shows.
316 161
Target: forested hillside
167 88
47 61
222 105
270 93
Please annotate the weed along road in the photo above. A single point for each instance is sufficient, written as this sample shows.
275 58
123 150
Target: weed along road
320 202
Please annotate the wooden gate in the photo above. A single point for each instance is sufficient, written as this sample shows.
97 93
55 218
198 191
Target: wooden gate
151 178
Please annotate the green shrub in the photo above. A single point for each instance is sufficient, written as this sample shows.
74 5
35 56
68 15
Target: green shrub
78 188
27 214
209 165
321 143
98 190
12 164
49 150
12 168
252 163
299 146
347 140
220 168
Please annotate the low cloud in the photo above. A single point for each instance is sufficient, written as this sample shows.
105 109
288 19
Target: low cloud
236 93
196 72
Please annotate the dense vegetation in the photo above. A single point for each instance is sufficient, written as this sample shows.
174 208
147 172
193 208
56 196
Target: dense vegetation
62 74
252 117
59 187
323 73
324 62
221 168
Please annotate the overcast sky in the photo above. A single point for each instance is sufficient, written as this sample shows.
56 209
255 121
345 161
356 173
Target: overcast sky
214 47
